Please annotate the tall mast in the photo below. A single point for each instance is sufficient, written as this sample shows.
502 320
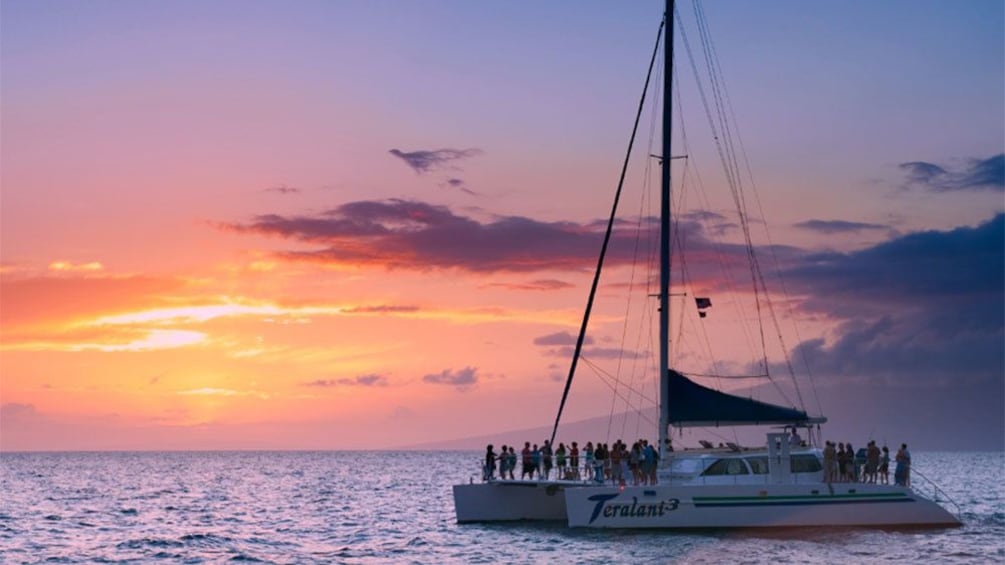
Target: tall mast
664 298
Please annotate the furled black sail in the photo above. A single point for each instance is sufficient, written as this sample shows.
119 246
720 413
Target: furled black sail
694 405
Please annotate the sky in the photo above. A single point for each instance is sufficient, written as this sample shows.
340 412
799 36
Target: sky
372 224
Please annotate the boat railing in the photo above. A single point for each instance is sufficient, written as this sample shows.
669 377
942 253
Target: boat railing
930 489
586 473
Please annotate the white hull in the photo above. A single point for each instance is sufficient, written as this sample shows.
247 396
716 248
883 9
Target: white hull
507 501
745 506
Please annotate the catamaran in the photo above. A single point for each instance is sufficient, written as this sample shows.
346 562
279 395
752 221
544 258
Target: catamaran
781 483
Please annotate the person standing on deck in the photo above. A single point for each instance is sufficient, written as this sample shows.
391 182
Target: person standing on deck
546 461
907 465
653 460
871 462
884 465
528 462
830 462
902 459
490 464
560 461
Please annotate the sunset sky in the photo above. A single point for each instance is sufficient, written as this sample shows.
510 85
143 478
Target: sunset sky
368 224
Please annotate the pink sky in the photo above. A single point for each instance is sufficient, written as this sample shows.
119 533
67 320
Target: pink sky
372 224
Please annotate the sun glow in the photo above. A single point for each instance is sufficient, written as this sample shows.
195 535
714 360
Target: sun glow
66 266
155 339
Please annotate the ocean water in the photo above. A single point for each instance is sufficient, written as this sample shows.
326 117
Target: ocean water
396 507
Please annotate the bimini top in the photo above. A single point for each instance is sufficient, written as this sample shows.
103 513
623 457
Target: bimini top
694 405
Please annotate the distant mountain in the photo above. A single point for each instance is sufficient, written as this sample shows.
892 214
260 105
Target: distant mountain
592 429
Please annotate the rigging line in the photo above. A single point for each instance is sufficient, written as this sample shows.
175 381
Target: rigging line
607 239
776 263
718 89
703 195
731 163
642 225
636 254
727 158
604 376
628 308
717 245
731 118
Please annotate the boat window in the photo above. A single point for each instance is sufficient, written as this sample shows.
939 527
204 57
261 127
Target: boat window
805 463
758 465
727 467
685 466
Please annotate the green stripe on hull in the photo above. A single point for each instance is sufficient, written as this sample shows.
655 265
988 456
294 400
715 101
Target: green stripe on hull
810 497
800 500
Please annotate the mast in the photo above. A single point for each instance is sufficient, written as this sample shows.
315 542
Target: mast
664 294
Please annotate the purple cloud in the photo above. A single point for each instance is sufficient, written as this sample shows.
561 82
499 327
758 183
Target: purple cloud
460 185
927 306
560 338
361 380
416 235
462 379
283 189
540 284
975 174
423 161
597 352
838 226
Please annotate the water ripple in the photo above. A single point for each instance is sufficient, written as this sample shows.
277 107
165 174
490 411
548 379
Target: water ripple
357 507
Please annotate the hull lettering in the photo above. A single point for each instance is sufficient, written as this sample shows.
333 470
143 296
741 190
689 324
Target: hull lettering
630 510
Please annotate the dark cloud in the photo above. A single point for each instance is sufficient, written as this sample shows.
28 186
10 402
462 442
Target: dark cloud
925 308
838 226
712 222
361 380
463 379
560 338
417 235
975 174
423 161
283 189
962 264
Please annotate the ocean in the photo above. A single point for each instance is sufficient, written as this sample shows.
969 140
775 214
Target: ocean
396 507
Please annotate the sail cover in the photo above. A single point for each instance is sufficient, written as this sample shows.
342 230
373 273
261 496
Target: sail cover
694 405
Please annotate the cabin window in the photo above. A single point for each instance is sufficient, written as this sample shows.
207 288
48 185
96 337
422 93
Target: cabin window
727 467
758 465
805 464
685 466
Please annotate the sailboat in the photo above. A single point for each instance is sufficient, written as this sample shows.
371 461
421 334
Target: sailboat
782 483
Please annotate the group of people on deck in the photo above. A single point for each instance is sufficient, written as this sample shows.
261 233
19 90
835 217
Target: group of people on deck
617 463
869 465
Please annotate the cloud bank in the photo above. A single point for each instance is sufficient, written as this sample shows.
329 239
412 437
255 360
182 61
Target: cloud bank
417 235
928 307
